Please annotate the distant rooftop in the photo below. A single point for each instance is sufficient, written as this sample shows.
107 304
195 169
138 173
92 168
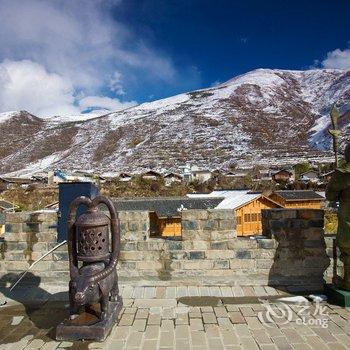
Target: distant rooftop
299 195
165 206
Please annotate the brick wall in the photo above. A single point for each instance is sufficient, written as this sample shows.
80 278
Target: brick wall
209 253
301 248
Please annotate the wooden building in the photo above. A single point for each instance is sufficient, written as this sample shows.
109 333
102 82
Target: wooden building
282 176
170 178
151 175
298 199
248 215
247 208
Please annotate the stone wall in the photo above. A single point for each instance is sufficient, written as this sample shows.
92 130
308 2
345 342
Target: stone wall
208 225
301 248
209 252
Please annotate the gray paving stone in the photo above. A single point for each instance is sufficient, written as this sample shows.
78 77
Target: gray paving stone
182 331
229 337
196 324
182 344
209 317
236 317
116 344
139 325
126 320
166 339
215 344
149 344
198 338
134 339
154 320
152 332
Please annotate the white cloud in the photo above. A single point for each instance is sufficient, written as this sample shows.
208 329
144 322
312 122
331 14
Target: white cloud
103 103
27 85
65 49
339 59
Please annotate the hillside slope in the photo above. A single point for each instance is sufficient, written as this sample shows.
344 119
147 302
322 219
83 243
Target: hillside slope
263 117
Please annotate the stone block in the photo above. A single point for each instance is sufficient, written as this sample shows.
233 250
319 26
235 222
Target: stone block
60 256
220 254
194 214
13 227
127 265
200 245
264 253
128 246
197 264
34 227
222 235
210 224
242 243
149 265
267 243
218 245
243 254
174 245
221 264
195 255
221 214
58 266
264 263
45 237
190 225
17 217
227 224
242 263
195 235
133 226
178 255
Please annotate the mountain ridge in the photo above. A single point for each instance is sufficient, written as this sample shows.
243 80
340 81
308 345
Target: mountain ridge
264 116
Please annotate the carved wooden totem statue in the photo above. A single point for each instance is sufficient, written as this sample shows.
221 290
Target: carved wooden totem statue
93 274
338 189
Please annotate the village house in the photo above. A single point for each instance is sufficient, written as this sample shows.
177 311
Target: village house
170 178
283 176
151 175
201 175
125 177
246 206
11 182
298 199
309 176
326 176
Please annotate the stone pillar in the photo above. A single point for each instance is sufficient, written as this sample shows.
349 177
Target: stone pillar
208 225
300 260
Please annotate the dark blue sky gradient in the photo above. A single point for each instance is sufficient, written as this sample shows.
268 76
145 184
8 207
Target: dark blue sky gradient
214 40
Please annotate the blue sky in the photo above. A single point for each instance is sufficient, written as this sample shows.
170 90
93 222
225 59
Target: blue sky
222 38
68 57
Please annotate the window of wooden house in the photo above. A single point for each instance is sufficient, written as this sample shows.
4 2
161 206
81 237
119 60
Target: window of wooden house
259 216
247 218
239 220
255 217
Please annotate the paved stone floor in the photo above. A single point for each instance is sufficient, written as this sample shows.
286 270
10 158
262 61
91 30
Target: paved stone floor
182 318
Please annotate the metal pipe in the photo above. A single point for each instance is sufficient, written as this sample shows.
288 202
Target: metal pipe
35 262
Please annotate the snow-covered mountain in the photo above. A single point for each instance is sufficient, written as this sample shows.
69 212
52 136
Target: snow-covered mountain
261 117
